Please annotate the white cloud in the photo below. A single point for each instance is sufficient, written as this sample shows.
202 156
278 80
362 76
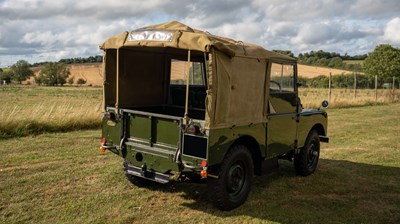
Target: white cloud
48 29
392 31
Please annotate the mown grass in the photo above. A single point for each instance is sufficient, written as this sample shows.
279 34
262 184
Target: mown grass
33 110
61 178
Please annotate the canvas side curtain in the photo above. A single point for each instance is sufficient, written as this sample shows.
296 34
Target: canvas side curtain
239 91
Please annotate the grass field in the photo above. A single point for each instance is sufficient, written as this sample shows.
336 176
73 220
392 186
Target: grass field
361 62
31 110
61 178
342 98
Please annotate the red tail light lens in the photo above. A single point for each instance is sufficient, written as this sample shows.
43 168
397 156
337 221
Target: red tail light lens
104 140
107 115
193 129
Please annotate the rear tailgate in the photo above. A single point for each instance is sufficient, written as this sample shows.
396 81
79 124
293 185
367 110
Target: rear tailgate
152 140
111 130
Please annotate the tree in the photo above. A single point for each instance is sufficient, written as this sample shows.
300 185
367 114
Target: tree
288 53
20 71
70 80
81 81
53 74
384 62
4 76
335 62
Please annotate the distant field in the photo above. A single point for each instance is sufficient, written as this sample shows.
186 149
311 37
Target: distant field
354 62
62 178
92 73
6 69
313 71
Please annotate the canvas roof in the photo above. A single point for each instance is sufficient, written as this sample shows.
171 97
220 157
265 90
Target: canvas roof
187 38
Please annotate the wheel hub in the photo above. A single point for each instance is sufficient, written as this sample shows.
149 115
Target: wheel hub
236 177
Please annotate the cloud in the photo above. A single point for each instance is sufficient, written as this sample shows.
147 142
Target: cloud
392 32
50 30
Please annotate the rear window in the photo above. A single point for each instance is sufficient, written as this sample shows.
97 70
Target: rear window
179 70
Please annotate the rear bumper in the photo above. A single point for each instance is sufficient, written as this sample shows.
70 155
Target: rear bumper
324 139
143 172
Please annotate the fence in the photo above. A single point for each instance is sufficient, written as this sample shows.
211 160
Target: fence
347 96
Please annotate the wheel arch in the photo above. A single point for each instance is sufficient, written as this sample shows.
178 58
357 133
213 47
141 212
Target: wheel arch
253 146
319 128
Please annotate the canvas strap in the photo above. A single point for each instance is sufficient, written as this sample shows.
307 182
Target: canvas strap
117 83
185 117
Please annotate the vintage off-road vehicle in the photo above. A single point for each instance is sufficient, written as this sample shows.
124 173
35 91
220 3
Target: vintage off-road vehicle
181 103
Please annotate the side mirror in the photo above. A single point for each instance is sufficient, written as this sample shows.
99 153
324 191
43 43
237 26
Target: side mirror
324 104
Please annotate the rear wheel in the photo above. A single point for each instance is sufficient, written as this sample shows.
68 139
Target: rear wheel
235 174
305 163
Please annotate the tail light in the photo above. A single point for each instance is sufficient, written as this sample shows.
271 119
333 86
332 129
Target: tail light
104 140
203 172
109 116
193 129
102 149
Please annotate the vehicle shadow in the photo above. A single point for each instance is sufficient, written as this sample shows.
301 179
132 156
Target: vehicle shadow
339 192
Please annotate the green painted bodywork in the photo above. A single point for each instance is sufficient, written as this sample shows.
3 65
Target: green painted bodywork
155 140
220 140
311 119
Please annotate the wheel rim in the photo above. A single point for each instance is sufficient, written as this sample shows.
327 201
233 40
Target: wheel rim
313 154
236 178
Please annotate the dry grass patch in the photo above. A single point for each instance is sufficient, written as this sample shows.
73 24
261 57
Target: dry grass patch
342 98
32 110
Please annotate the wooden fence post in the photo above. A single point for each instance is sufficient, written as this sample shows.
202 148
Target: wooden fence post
376 88
330 87
355 85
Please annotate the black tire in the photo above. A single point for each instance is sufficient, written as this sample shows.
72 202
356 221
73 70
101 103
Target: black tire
232 187
137 181
305 163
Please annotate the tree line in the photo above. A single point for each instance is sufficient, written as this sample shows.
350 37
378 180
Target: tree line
339 81
51 74
384 62
328 59
79 60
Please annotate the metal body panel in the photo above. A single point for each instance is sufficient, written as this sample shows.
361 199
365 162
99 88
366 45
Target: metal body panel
220 140
309 119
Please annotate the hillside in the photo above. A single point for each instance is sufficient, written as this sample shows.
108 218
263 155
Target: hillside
313 71
92 72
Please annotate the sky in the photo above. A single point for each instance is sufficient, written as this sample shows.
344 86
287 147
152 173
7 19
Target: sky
49 30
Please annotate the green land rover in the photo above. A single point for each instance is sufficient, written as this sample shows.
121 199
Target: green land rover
180 103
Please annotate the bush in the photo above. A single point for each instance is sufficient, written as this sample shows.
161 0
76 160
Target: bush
81 81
